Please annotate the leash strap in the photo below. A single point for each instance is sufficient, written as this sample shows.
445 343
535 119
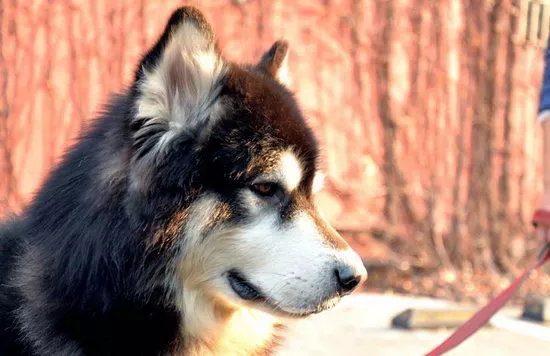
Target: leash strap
541 217
484 315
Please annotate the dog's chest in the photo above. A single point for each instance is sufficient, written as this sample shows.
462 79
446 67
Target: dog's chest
245 333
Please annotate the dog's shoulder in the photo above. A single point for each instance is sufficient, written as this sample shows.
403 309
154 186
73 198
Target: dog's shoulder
10 249
9 246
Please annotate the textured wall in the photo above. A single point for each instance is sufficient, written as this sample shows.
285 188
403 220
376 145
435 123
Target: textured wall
426 109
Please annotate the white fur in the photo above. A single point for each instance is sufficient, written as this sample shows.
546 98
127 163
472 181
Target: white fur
318 182
290 170
283 72
293 265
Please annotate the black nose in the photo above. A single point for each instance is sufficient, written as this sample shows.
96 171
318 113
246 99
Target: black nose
347 278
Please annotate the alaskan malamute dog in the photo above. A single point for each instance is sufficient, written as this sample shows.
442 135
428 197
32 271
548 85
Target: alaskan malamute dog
182 223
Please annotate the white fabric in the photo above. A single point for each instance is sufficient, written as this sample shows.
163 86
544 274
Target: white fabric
543 116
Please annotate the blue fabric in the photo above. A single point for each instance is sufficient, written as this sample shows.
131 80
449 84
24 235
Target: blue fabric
544 103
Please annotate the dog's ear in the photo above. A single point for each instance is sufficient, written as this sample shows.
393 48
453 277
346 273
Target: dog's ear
177 83
187 29
176 88
275 62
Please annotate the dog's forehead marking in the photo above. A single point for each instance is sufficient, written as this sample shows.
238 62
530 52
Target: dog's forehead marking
290 169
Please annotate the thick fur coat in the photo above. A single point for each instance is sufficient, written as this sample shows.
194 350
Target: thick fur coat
183 220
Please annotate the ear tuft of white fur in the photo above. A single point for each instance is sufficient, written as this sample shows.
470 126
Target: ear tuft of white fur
178 93
283 72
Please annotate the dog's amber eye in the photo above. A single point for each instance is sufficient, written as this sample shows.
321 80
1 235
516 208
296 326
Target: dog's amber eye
265 189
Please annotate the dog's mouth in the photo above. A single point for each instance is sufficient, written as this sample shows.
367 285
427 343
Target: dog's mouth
243 288
249 292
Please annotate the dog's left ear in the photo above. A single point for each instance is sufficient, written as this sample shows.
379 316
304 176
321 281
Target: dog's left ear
275 62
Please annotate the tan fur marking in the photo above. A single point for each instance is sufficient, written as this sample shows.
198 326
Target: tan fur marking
334 239
213 324
239 332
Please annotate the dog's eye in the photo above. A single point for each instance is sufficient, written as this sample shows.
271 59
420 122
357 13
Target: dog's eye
266 189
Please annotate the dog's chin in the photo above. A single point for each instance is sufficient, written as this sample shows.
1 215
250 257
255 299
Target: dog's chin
298 313
251 295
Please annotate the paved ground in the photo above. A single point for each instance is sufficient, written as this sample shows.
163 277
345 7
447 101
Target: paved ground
360 325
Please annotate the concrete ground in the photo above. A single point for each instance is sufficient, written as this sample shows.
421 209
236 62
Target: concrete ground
360 325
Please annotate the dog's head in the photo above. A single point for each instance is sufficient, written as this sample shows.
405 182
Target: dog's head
228 144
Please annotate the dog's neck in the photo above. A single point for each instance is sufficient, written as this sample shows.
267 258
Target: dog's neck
213 329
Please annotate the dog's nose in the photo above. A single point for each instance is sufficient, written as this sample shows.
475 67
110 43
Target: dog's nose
348 278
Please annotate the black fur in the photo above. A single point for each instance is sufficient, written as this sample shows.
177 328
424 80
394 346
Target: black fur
84 263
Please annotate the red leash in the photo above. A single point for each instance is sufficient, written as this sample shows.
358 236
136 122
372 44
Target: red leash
484 315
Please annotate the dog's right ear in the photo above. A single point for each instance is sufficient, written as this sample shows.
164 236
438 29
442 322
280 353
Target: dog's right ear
176 85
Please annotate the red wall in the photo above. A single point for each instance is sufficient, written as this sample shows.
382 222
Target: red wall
426 110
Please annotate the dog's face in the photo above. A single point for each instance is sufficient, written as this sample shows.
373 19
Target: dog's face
230 145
